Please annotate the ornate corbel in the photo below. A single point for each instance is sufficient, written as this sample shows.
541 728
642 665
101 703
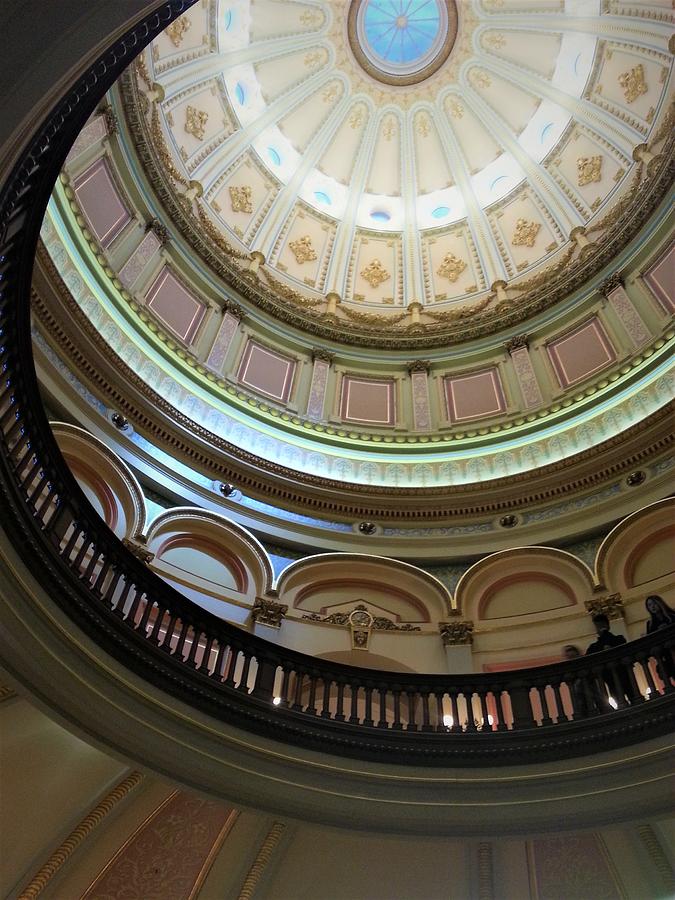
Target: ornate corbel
610 606
268 612
136 546
455 633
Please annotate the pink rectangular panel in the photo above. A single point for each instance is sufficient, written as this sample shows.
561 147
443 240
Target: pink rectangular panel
175 306
267 371
101 203
661 279
474 396
581 352
367 401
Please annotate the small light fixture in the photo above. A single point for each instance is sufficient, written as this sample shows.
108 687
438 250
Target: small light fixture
276 701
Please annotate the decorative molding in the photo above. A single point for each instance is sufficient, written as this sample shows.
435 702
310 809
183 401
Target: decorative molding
261 861
455 633
268 612
57 859
621 454
377 623
658 857
486 886
611 606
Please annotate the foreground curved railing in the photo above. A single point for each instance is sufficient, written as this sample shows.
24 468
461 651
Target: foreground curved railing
553 711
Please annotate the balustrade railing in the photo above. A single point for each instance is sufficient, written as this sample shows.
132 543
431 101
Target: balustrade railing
554 710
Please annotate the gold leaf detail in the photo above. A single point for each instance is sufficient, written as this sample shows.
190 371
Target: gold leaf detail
456 109
633 83
423 127
195 121
496 41
302 249
388 129
589 169
240 198
356 119
176 30
525 234
375 273
480 79
451 267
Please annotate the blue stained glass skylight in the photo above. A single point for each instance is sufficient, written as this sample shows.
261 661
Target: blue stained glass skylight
440 212
241 93
379 215
400 32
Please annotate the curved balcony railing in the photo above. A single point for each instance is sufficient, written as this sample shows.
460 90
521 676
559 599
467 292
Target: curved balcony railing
548 712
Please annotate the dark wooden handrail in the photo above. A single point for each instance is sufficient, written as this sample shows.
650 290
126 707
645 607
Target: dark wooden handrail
549 712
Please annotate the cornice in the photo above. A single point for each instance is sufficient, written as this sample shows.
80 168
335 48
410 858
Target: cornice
121 388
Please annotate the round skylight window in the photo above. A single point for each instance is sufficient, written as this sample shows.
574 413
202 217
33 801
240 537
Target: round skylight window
402 41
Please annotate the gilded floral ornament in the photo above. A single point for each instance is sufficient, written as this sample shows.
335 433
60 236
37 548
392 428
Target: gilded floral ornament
356 119
177 29
331 92
451 267
525 234
389 128
494 40
311 18
422 125
241 198
302 249
480 79
375 273
589 169
633 83
455 108
195 122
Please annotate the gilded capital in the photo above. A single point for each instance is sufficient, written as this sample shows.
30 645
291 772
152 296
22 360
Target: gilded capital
233 308
321 353
611 283
456 633
418 365
159 230
268 612
517 342
611 606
